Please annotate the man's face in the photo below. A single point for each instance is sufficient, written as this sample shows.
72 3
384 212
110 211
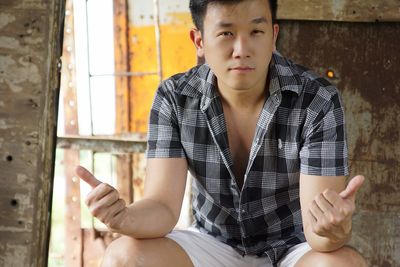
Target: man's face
237 43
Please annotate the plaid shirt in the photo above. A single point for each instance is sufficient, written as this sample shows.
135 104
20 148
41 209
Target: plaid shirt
300 129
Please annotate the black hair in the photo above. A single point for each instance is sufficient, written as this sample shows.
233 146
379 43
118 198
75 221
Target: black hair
198 9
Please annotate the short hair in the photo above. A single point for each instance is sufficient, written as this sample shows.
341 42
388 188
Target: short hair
198 9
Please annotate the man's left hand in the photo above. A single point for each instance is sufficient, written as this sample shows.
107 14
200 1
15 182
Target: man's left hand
331 212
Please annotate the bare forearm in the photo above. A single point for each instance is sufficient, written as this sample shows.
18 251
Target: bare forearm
324 244
146 219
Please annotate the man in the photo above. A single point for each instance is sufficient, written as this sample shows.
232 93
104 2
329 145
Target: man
261 135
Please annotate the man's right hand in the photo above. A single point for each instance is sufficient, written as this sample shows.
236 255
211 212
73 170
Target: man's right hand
103 201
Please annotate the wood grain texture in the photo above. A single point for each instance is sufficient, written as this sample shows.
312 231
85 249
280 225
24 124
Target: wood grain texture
339 10
30 47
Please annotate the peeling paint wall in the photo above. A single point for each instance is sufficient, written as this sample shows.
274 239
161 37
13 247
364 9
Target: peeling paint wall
29 37
364 58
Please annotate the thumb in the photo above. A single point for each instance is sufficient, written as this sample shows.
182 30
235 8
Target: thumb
86 176
352 187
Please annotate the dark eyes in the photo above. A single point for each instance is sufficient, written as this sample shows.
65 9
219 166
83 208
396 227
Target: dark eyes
225 34
257 32
254 32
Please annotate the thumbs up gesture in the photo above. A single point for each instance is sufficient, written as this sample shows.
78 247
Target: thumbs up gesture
330 213
103 201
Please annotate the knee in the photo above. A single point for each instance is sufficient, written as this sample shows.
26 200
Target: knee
344 257
124 251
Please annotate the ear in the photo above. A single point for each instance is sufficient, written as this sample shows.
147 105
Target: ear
276 32
197 39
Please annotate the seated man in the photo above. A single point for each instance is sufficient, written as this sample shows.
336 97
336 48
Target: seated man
264 139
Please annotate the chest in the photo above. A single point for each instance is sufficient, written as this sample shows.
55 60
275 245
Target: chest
241 128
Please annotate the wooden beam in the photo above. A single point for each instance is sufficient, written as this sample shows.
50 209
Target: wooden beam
354 10
30 49
102 144
123 95
73 233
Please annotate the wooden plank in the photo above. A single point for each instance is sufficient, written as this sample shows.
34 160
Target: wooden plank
349 10
123 89
29 80
73 234
102 144
121 55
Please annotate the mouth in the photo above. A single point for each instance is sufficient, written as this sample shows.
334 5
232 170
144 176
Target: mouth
242 69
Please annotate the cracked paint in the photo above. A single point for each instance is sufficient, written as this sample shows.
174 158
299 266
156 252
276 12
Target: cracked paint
6 19
17 73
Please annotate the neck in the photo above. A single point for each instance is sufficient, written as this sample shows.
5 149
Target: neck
243 99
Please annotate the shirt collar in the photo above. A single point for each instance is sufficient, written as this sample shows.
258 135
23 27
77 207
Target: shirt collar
283 76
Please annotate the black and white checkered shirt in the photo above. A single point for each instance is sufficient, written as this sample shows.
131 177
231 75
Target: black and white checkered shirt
300 130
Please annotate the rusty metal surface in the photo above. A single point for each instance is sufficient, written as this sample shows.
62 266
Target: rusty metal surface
29 82
364 58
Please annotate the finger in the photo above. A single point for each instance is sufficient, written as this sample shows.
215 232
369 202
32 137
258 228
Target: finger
98 193
352 187
117 217
312 218
104 213
313 222
117 207
316 211
323 203
107 201
332 197
86 176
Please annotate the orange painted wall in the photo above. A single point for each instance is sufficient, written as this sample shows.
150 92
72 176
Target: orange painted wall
178 55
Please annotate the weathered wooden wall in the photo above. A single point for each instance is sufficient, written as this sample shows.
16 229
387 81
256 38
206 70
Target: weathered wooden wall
365 61
340 10
29 79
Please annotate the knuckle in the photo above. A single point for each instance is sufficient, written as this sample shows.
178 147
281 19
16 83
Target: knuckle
112 224
95 211
346 211
115 195
120 207
121 203
324 224
109 188
327 192
317 229
334 220
103 187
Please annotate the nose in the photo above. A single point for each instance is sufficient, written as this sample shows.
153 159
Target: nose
241 47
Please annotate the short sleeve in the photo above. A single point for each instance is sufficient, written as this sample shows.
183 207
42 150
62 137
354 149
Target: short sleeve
163 140
324 151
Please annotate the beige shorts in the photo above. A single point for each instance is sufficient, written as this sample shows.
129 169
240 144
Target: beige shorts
206 251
